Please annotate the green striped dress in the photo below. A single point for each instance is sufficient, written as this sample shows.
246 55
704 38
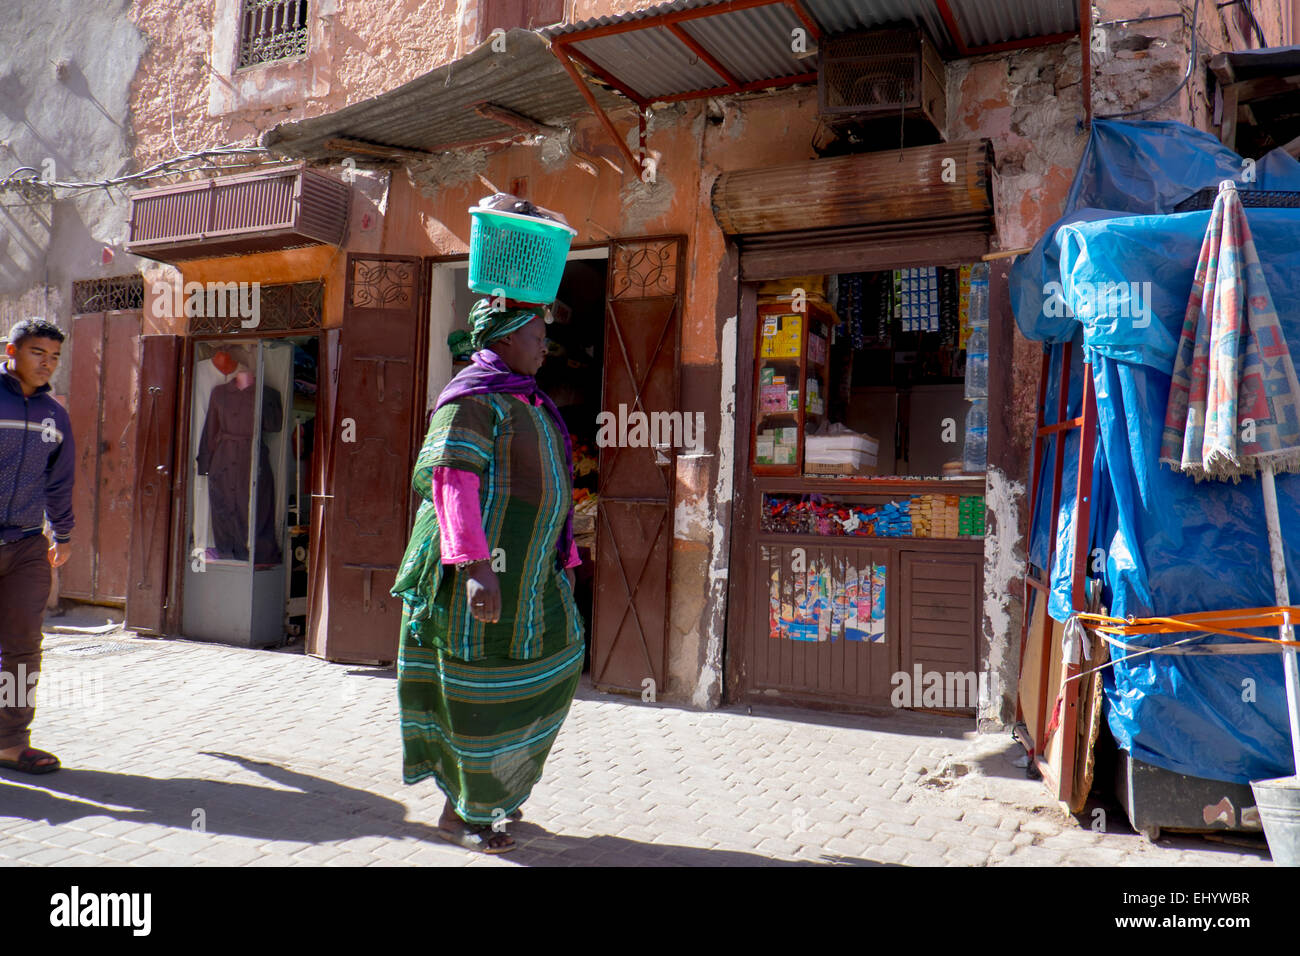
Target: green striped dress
481 703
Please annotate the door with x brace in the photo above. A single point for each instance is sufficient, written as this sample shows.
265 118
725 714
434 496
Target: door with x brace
634 526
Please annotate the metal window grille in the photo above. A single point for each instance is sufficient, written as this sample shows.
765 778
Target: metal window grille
272 30
107 295
281 308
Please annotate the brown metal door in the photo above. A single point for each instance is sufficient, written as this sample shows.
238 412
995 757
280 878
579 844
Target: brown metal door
105 364
366 502
157 408
634 525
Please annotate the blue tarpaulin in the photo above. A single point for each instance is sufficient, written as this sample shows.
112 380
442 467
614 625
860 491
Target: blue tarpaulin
1117 284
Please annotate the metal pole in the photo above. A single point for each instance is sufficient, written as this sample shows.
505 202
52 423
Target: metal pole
1283 598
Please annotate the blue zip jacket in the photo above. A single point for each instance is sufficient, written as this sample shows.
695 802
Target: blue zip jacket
37 462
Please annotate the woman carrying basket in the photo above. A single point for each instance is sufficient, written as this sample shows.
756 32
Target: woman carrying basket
492 642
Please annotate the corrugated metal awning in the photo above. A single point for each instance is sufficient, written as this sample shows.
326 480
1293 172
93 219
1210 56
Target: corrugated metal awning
680 50
690 48
487 95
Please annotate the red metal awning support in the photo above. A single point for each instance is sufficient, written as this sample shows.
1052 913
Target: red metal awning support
569 56
566 60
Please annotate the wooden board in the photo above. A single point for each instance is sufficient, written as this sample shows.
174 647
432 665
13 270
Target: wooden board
1031 666
1089 726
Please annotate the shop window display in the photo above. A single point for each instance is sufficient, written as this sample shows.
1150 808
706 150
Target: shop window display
869 443
872 375
245 439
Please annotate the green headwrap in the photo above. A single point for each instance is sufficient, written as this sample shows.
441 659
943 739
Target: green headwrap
486 325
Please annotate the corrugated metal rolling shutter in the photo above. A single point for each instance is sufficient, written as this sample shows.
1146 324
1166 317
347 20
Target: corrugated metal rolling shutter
896 208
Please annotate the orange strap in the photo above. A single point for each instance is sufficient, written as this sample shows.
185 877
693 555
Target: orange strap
1213 622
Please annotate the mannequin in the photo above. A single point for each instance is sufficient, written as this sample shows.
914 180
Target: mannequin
208 374
225 456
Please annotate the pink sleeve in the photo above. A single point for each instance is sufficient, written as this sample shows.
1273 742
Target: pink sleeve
574 558
455 498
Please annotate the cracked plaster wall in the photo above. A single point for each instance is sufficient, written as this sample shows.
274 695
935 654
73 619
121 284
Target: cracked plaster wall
64 104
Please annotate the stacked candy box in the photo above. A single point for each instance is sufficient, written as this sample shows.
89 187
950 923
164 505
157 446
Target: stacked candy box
922 516
936 516
972 516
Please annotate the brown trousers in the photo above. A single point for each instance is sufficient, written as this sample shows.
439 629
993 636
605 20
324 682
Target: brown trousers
24 588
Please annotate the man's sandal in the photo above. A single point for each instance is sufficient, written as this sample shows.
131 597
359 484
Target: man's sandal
474 837
29 761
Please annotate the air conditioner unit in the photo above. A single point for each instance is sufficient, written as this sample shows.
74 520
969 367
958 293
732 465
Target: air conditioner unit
879 73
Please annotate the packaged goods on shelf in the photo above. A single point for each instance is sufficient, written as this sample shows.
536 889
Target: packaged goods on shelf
816 349
963 305
915 516
772 398
782 336
834 444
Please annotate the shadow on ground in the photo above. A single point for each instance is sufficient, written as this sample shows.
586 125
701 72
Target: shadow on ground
316 811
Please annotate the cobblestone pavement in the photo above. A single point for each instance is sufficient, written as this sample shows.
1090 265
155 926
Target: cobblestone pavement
178 753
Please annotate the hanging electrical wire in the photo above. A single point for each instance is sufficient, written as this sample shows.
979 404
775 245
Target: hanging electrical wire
17 182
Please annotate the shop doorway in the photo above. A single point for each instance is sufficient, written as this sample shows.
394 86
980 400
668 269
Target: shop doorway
248 465
863 482
572 375
616 348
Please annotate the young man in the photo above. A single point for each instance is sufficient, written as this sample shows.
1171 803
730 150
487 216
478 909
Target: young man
36 475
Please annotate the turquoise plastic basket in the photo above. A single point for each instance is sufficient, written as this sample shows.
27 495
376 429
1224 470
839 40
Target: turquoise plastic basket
519 257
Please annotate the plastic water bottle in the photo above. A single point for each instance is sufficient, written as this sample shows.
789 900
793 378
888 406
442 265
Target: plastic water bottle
978 308
976 454
977 364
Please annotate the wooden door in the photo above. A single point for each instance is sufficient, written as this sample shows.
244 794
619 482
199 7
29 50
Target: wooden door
940 614
105 364
157 408
322 467
634 523
365 506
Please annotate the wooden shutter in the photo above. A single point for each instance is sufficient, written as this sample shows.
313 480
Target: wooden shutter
322 468
156 408
634 526
366 506
105 365
85 408
942 597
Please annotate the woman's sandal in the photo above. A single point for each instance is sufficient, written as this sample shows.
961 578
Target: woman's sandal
29 761
474 837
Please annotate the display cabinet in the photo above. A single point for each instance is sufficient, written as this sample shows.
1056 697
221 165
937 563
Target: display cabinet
792 362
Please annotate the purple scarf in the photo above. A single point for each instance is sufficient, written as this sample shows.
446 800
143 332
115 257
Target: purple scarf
488 374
